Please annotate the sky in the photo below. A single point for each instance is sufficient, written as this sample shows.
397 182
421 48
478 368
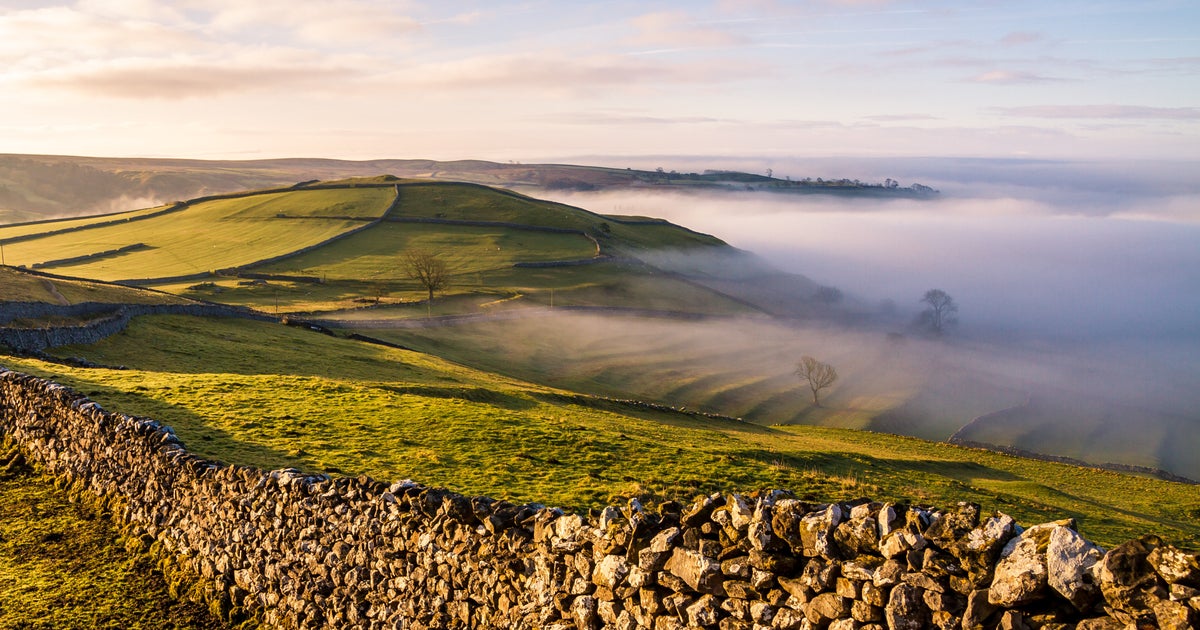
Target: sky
539 80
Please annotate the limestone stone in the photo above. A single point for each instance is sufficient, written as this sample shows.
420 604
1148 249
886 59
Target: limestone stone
1071 567
1020 575
701 574
905 609
827 607
610 571
1128 580
817 532
1175 566
1174 616
703 612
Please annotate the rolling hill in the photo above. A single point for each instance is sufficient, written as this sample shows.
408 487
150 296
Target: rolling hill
609 305
34 187
580 359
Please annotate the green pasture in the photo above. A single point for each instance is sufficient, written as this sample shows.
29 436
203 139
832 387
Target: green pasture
378 253
40 227
16 286
273 396
466 202
206 236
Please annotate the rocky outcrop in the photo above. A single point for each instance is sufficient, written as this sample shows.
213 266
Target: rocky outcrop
309 551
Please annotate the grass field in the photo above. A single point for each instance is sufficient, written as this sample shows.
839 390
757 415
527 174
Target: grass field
13 231
16 286
206 236
477 203
274 396
378 253
63 567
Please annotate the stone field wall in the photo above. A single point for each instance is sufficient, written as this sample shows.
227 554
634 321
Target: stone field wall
105 320
294 550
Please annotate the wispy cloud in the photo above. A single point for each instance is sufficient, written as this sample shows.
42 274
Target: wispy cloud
902 117
625 118
1019 38
186 77
333 24
557 71
1009 77
1117 112
675 29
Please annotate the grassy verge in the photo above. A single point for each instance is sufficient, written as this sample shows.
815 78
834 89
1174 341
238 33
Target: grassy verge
63 567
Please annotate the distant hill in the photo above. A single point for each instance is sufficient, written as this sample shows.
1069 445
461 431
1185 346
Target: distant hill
36 187
335 246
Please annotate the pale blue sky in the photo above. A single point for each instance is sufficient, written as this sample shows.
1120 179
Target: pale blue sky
538 80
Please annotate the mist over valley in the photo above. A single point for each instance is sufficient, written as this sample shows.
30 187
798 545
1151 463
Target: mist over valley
1080 318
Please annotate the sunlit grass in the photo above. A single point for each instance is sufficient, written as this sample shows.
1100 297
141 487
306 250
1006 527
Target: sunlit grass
207 236
275 396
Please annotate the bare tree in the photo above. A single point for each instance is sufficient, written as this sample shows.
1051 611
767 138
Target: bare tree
939 314
818 375
428 270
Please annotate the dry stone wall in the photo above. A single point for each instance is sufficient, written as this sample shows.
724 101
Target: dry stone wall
310 551
107 319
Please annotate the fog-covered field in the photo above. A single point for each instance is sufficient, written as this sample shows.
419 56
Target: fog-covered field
1078 286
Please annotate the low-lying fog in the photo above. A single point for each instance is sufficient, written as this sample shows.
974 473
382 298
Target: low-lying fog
1096 264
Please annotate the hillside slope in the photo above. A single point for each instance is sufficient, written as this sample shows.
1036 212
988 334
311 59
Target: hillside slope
339 245
274 396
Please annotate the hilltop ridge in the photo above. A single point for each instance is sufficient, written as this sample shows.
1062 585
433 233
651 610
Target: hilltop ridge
34 187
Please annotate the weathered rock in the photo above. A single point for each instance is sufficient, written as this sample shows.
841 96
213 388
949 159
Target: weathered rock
899 542
738 567
888 573
1174 616
701 511
1127 579
701 574
950 527
816 532
1021 574
827 607
583 611
610 571
1013 620
1071 567
857 535
905 609
703 612
843 624
788 619
1175 566
978 611
786 515
979 549
665 540
863 612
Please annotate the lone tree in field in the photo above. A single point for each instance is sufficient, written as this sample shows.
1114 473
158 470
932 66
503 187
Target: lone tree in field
428 270
818 375
939 311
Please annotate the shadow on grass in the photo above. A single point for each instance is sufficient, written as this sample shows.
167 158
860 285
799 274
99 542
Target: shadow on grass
471 394
654 412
